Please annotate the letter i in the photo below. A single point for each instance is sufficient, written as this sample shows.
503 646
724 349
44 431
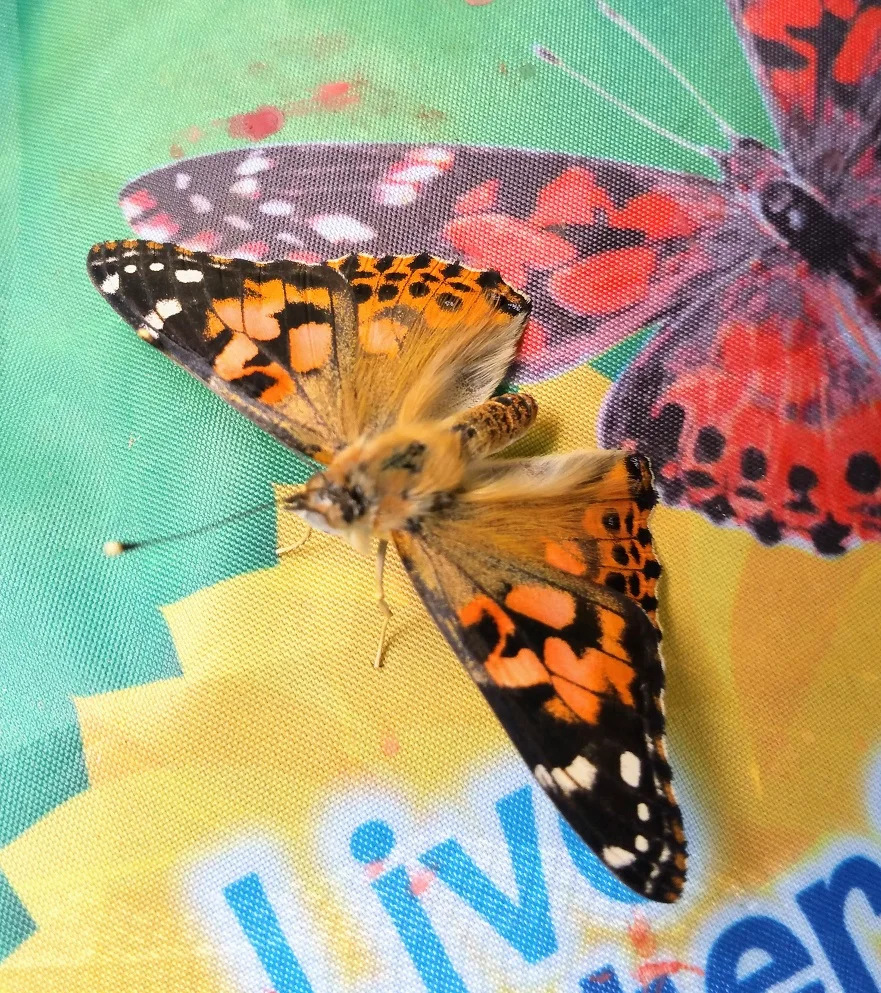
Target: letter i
372 843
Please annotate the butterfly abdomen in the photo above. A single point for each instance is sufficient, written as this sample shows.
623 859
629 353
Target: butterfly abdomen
495 424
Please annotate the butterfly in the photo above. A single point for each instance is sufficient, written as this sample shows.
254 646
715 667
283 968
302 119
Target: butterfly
758 398
539 572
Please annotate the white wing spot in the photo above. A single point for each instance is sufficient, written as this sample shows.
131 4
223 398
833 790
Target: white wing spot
247 187
617 858
131 268
110 284
642 811
182 180
276 208
640 843
290 238
157 266
168 308
154 321
665 854
543 777
234 221
188 275
253 164
201 204
340 227
630 768
562 778
582 771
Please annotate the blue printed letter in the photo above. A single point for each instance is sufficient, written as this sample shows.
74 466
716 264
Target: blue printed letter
787 956
254 912
823 904
372 843
526 925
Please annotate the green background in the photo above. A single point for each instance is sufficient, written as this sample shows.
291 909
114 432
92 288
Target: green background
104 438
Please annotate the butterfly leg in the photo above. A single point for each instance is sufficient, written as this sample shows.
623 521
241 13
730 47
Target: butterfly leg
297 545
384 608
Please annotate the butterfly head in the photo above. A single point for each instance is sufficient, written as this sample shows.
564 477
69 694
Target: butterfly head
335 507
749 164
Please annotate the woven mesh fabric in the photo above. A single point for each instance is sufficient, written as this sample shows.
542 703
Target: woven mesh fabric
204 785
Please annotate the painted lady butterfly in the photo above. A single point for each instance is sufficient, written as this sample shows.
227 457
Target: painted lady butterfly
539 572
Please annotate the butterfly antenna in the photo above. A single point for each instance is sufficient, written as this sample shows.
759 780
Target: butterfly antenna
546 55
620 21
115 548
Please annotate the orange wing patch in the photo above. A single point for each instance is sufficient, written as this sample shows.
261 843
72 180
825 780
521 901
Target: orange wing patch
443 293
581 680
619 552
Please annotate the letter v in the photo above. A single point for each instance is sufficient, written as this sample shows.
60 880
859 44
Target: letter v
525 925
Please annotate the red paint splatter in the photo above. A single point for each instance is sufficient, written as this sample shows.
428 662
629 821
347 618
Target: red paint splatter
175 151
420 881
334 96
374 869
143 199
606 283
202 241
534 340
478 3
390 745
641 936
193 134
478 198
257 124
651 971
254 250
513 247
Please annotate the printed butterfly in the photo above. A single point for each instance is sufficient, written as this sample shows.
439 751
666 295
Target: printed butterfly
539 572
758 399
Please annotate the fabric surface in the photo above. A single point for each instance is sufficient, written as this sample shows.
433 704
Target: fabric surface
204 784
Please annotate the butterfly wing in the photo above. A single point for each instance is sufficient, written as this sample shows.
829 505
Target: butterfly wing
602 249
538 596
819 64
267 338
764 412
319 355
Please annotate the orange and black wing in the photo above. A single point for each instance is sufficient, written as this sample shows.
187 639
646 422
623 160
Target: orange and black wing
319 355
562 642
265 337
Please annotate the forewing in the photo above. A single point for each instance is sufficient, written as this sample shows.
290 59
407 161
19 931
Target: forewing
264 336
433 337
570 666
601 249
819 64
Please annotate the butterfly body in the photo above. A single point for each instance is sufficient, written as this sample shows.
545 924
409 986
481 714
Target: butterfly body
392 481
539 572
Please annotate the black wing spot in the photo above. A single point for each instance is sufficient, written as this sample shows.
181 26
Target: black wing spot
829 535
709 445
801 478
863 473
362 292
753 464
766 528
616 581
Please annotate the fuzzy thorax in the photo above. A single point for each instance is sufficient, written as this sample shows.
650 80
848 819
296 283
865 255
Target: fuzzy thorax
392 481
